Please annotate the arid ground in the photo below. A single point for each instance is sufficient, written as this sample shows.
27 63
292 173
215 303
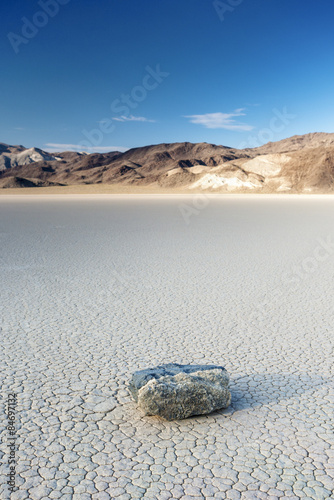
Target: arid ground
95 287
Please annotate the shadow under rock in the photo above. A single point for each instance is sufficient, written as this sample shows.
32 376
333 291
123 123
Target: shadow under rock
251 391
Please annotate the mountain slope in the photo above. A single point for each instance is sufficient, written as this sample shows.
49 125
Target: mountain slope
298 164
12 156
296 143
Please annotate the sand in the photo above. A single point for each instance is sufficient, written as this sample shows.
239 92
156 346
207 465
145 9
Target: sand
95 287
89 189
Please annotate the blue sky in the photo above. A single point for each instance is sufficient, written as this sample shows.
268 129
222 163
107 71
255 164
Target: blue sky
104 75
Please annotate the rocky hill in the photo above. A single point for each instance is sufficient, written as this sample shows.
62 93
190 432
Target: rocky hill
298 142
298 164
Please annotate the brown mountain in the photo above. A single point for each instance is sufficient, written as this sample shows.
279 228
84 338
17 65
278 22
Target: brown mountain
297 142
298 164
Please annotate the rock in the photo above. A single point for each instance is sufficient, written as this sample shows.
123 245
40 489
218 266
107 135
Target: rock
175 391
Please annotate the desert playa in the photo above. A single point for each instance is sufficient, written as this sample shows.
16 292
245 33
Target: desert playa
97 286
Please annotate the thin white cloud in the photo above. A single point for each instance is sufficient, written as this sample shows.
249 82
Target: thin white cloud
54 148
221 120
19 128
132 118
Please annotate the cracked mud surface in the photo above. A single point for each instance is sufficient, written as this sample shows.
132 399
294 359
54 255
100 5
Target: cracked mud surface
95 288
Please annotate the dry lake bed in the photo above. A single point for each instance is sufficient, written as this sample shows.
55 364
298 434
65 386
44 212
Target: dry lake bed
96 287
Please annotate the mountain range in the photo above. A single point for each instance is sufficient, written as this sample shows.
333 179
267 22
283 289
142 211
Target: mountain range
302 163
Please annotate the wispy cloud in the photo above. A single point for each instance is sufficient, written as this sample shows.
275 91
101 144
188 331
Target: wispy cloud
221 120
132 118
55 147
19 128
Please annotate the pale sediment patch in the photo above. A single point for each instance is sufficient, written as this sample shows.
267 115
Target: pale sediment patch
95 287
216 181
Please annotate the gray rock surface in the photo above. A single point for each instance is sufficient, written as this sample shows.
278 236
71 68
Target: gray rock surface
176 391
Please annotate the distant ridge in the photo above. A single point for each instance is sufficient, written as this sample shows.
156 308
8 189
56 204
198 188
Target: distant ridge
298 142
302 164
